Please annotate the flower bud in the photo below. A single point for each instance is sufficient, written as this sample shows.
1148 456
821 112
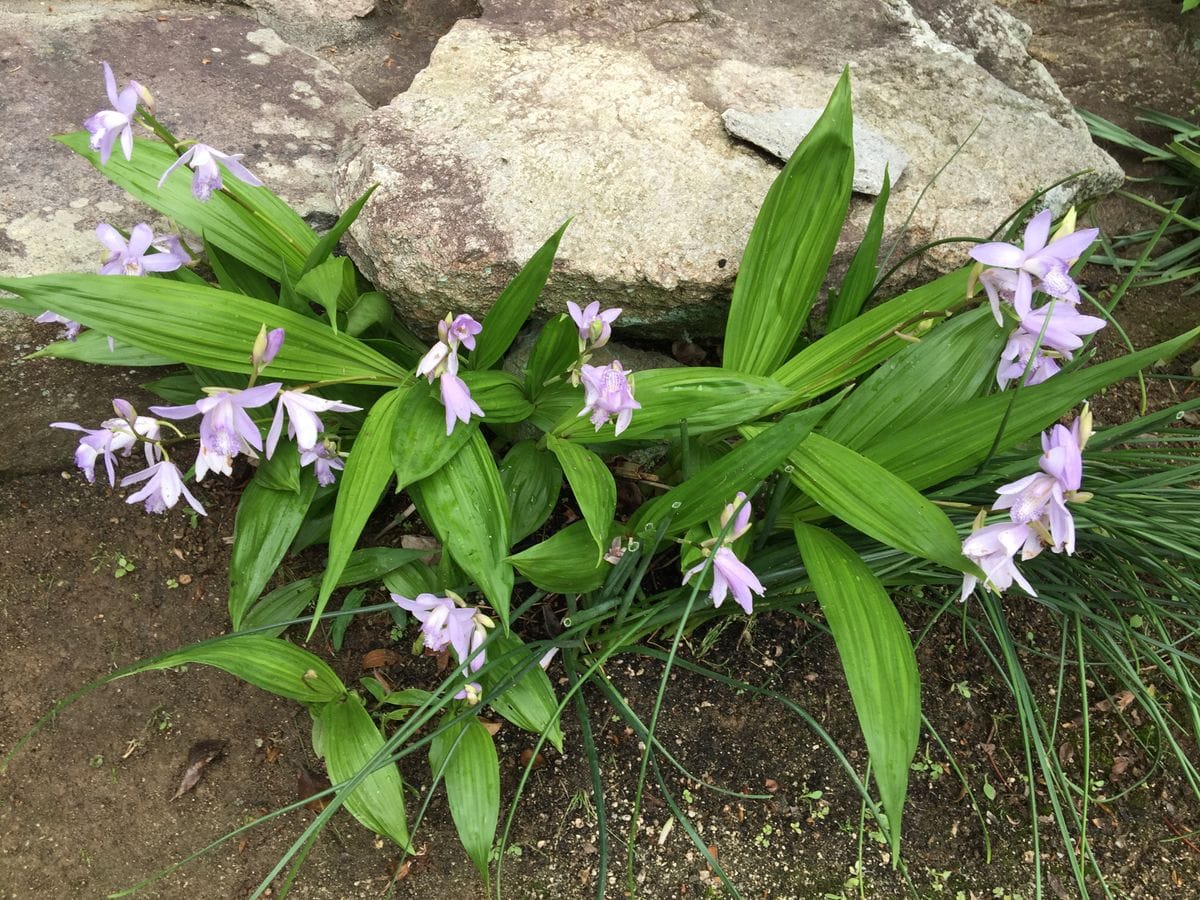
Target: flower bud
266 345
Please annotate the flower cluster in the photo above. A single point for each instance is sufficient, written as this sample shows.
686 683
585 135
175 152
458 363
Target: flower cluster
1050 332
441 362
446 622
226 431
1038 513
106 126
729 572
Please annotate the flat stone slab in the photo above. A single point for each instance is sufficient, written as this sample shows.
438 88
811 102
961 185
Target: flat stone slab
216 74
610 113
780 132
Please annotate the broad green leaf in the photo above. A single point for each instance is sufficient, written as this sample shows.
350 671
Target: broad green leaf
950 365
878 659
92 347
463 502
556 347
868 340
710 399
500 395
237 277
420 445
565 563
370 310
204 326
266 662
965 434
368 469
711 487
412 578
792 243
848 301
289 299
350 740
178 389
266 522
465 756
282 471
328 242
532 481
528 702
868 497
289 601
337 632
249 223
512 308
331 285
593 485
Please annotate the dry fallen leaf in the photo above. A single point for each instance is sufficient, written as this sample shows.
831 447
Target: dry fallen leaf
527 755
308 784
199 756
380 658
491 725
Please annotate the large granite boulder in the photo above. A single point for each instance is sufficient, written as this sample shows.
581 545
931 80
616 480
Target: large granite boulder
610 113
216 74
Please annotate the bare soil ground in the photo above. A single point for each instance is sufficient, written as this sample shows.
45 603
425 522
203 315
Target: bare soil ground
89 584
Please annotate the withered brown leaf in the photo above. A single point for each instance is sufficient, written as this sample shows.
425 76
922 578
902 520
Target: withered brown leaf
199 756
307 784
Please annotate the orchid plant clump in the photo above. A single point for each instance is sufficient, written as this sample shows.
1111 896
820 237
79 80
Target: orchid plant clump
830 435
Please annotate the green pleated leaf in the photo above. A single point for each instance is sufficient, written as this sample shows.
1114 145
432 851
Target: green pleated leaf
204 326
237 277
92 347
512 308
500 395
868 497
290 600
368 469
532 481
878 659
282 471
267 520
528 702
464 754
420 445
179 389
371 310
330 285
847 302
350 740
412 579
865 342
463 502
325 246
710 399
965 434
249 223
266 662
950 365
712 486
556 347
792 243
565 563
593 485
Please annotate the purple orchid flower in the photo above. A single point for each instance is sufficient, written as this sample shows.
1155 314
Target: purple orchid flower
1049 263
206 176
112 437
1042 497
70 329
456 397
730 574
225 428
1063 326
459 330
443 623
594 324
325 460
303 423
471 693
437 360
132 258
1015 357
163 489
741 508
608 393
992 548
109 124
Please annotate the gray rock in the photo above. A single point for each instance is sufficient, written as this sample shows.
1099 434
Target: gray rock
780 132
610 112
216 74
